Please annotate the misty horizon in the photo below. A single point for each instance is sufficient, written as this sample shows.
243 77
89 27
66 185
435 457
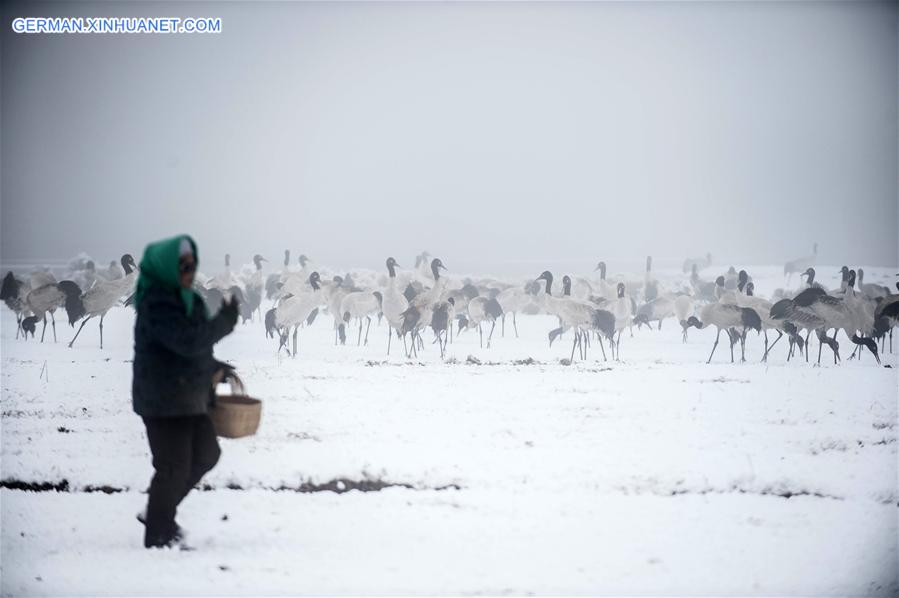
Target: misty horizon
491 135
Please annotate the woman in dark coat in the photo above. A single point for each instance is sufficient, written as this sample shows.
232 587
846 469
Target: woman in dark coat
173 379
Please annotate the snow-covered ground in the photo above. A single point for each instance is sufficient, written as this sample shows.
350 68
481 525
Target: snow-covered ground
655 475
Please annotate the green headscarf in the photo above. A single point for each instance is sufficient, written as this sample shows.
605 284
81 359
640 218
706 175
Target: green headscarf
159 267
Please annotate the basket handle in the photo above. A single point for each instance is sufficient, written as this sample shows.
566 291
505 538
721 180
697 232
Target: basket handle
237 385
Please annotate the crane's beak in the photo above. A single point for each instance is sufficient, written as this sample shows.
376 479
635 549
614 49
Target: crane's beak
803 274
442 266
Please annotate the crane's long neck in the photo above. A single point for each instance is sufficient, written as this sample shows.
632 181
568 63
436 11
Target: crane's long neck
392 271
127 266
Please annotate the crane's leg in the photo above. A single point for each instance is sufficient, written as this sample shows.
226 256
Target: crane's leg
821 336
618 346
743 347
515 326
414 342
503 329
367 326
44 329
481 334
808 334
768 348
573 345
405 349
389 338
490 337
18 325
359 338
603 350
101 330
732 341
660 324
79 330
295 329
715 346
53 320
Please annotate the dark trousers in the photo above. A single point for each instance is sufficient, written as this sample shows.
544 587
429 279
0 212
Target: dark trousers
184 449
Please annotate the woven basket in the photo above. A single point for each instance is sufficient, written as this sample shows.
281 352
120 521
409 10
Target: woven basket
236 415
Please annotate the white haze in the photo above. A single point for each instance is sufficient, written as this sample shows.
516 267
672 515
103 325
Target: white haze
499 136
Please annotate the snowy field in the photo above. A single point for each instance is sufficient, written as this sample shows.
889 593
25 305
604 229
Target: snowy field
517 475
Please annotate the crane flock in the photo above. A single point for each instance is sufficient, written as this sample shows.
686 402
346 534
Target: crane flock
426 301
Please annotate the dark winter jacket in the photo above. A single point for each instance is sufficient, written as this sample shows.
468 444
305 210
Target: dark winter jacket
173 338
173 362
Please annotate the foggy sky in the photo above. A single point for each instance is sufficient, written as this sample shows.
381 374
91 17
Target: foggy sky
489 134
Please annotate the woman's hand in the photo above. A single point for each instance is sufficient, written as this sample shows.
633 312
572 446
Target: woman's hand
229 312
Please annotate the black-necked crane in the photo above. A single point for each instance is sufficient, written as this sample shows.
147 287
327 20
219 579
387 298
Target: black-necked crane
45 297
605 288
442 322
418 315
810 273
253 281
887 314
335 291
361 305
582 317
512 301
763 308
684 306
295 309
655 310
275 280
100 298
394 304
13 293
225 279
483 309
623 311
727 316
833 312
